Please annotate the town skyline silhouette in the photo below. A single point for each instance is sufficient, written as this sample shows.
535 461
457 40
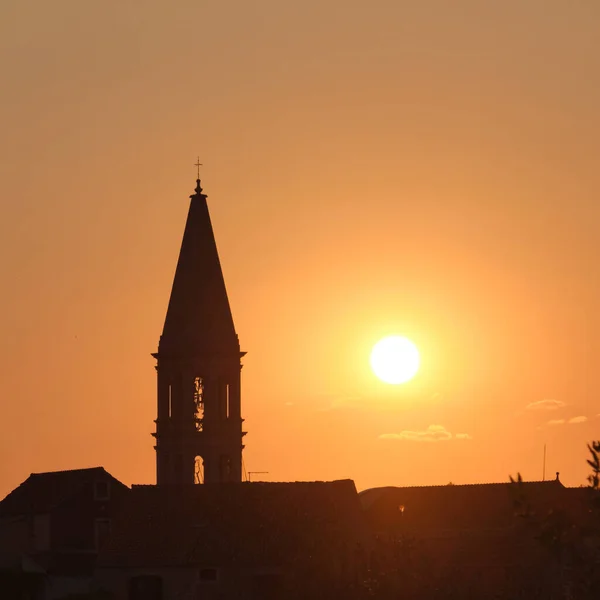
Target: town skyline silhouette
334 266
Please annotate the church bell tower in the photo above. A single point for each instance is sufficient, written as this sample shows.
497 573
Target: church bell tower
199 423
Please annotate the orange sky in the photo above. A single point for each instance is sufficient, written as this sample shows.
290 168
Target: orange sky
423 168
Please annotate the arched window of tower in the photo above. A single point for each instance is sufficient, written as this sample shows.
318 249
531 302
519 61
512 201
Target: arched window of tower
198 469
199 402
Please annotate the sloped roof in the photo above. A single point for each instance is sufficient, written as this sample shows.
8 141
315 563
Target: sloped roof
469 531
198 317
473 506
41 492
240 523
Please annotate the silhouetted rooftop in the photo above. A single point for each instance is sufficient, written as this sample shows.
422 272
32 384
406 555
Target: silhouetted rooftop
472 506
41 492
240 523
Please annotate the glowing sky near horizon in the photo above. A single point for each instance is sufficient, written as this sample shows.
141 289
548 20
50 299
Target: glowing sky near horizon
424 167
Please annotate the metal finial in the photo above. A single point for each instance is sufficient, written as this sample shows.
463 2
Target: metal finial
198 165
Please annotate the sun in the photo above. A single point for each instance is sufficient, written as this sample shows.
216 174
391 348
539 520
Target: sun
395 359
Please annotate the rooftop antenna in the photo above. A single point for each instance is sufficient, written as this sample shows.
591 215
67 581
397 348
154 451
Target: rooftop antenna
544 467
250 473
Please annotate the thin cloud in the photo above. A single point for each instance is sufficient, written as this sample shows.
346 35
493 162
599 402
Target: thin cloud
571 421
434 433
546 405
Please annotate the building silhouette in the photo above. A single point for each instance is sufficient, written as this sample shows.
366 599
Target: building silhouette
51 529
199 423
247 541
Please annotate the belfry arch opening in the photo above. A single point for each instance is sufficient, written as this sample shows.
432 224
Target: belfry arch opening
199 403
227 411
198 469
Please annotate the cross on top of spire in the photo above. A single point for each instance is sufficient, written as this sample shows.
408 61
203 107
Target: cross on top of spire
198 164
